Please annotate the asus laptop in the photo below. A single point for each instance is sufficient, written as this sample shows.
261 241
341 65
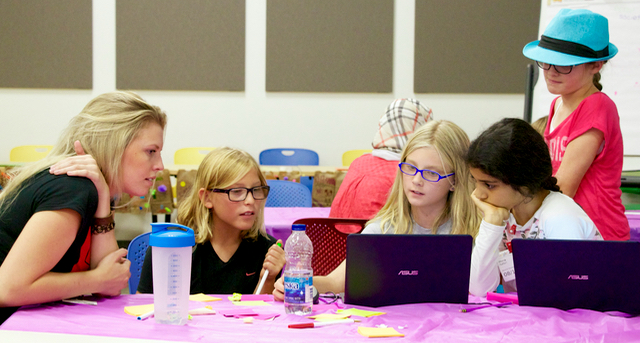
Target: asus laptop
567 274
400 269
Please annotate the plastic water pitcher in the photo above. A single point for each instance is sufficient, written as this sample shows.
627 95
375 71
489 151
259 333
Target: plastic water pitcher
171 262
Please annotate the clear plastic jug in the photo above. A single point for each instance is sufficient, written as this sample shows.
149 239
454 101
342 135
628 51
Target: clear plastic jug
171 263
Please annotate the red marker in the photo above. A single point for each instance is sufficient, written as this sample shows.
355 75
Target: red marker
319 324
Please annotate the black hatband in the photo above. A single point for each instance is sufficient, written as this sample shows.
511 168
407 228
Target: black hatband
571 48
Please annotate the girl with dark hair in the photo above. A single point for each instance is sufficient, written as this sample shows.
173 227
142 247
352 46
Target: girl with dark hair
583 130
519 198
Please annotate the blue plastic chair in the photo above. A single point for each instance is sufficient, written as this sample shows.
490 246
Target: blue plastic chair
135 253
288 194
289 157
307 181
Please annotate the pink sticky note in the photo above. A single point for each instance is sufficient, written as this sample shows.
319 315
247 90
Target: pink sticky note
267 316
257 297
237 312
241 315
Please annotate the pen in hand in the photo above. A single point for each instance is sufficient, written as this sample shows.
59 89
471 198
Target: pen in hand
264 276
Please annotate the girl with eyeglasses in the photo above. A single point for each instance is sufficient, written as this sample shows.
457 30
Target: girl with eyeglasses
583 130
225 208
430 194
364 189
518 198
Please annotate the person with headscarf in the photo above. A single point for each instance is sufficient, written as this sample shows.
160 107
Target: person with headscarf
366 186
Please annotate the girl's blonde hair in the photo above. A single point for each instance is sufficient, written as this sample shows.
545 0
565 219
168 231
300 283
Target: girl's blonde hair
540 125
105 127
221 168
451 144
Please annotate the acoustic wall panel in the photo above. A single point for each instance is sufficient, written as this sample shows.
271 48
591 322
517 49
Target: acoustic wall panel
464 46
194 45
330 46
46 44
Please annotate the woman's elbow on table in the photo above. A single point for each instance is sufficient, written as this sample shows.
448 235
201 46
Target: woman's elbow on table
11 294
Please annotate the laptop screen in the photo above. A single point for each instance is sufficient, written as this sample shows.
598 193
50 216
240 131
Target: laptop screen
567 274
387 269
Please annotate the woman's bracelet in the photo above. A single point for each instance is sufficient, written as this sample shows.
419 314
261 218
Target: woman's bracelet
103 225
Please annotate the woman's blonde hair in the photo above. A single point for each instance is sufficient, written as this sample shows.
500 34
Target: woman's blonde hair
105 127
451 144
221 168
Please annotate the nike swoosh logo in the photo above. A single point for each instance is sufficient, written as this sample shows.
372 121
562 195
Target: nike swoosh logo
249 274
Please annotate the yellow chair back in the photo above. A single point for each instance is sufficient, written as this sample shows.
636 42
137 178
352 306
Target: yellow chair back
29 153
351 155
190 155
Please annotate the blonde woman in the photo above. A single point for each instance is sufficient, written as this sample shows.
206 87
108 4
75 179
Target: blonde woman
225 207
51 207
430 194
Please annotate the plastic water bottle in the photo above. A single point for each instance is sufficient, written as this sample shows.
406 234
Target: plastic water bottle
298 275
171 264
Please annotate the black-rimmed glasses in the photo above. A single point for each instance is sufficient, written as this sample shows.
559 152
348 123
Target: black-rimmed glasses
429 175
559 69
239 194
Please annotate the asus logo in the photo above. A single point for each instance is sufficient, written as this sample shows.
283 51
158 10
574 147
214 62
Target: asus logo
408 272
578 277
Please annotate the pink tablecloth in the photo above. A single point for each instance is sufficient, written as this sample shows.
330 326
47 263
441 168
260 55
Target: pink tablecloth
278 220
418 322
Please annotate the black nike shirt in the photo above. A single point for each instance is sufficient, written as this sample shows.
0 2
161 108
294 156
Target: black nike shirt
210 275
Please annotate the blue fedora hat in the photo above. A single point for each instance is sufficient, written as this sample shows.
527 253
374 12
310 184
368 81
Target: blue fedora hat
573 37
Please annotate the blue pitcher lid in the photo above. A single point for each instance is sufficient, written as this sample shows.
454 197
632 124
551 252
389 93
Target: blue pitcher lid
298 227
169 235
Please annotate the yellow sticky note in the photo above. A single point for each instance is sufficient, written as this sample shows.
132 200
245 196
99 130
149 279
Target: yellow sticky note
360 313
203 297
329 316
251 303
138 310
235 297
378 332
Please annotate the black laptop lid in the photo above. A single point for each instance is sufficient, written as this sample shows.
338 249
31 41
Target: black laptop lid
567 274
401 269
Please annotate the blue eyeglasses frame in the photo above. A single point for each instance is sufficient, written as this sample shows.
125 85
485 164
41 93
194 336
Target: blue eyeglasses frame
440 177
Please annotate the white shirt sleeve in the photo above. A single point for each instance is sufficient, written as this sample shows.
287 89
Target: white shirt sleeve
561 218
485 275
373 228
568 227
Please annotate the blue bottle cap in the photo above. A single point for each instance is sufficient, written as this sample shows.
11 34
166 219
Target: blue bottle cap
169 235
298 227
